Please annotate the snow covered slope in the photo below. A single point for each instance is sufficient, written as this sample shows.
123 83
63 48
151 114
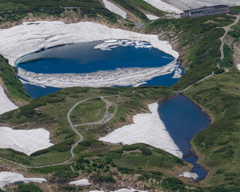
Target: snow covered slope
5 104
115 9
26 141
159 4
147 128
10 178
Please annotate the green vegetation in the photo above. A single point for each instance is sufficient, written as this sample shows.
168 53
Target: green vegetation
12 83
201 39
27 188
50 112
91 110
14 10
235 9
228 57
111 109
235 32
219 143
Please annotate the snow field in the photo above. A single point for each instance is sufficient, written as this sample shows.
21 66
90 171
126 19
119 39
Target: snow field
147 128
115 9
10 178
82 182
163 6
5 104
26 141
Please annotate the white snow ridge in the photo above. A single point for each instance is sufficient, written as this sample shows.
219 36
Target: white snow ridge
82 182
26 141
147 128
163 6
5 104
10 178
115 9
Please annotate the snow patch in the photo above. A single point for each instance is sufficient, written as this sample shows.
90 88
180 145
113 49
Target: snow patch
26 141
82 182
147 128
177 74
5 104
34 36
10 178
152 17
190 175
238 66
115 9
163 6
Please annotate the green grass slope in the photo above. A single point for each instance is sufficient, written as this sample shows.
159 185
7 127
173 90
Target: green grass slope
11 82
14 10
218 145
200 38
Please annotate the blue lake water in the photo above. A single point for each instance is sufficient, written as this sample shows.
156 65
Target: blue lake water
83 58
184 119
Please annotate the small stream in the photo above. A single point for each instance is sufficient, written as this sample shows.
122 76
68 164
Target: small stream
184 119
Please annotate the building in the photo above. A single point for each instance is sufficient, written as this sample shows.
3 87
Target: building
205 11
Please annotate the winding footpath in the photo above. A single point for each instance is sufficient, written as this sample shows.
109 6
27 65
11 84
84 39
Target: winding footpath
183 90
227 29
107 117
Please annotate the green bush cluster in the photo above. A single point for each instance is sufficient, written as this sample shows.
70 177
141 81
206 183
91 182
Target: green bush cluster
27 188
173 184
145 150
228 57
20 9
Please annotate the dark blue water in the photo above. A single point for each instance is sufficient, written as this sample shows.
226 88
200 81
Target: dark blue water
184 119
36 91
83 58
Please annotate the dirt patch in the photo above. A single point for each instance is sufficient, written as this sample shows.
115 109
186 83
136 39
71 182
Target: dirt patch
210 21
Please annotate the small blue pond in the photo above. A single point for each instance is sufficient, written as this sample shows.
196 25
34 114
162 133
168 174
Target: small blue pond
83 58
184 119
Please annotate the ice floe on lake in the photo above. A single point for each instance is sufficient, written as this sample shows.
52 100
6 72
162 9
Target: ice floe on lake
10 178
5 103
115 9
113 43
147 128
109 78
26 141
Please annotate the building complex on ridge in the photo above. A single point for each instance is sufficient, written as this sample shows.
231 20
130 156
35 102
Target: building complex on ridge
205 11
